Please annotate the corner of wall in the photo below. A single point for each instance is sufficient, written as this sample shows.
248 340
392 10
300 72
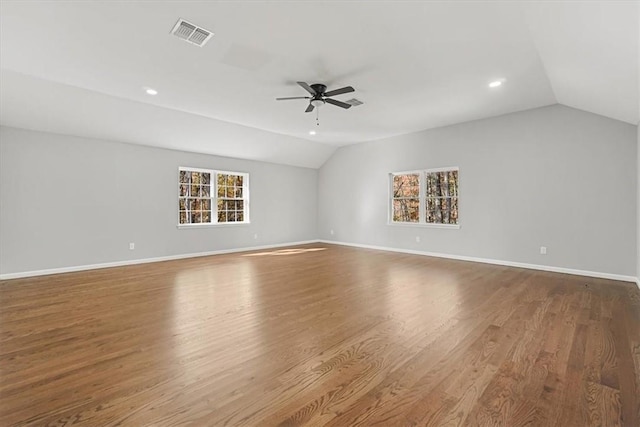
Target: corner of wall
638 203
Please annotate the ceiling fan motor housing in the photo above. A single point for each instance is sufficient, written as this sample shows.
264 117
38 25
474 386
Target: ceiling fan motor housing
319 88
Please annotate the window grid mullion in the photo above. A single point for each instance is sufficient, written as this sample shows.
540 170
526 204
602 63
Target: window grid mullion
214 210
422 216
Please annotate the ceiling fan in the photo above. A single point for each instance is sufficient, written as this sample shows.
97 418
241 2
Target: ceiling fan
320 96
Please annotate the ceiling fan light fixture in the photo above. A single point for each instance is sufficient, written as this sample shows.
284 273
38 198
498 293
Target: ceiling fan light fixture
317 102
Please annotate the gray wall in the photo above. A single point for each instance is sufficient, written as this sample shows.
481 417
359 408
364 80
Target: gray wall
638 211
68 201
552 176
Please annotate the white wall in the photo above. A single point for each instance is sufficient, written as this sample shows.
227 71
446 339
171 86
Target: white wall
638 211
69 201
552 176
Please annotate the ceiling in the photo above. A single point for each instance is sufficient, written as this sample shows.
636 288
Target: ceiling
81 68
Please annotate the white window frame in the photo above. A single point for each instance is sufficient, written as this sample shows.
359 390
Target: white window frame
422 210
214 198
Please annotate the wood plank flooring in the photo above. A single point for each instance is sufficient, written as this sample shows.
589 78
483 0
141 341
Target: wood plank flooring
319 335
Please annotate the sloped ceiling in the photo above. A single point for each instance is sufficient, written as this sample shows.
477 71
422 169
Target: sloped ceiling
81 68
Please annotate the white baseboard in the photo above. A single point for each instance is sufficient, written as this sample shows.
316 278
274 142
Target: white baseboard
596 274
23 274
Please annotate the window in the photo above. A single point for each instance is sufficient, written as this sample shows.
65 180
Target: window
406 197
212 197
425 197
442 196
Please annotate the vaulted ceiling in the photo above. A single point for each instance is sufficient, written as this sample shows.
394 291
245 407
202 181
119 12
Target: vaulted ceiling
81 68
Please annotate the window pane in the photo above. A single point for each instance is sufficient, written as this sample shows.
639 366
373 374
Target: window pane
240 216
206 216
431 185
454 210
222 216
183 217
443 179
184 177
406 210
442 211
231 216
453 183
195 217
239 192
184 190
206 178
240 205
206 204
205 191
434 184
406 185
434 210
446 215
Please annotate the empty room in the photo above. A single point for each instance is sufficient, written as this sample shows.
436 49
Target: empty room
319 213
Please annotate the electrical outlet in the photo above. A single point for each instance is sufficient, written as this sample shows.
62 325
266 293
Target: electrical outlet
417 239
255 236
331 232
543 250
132 246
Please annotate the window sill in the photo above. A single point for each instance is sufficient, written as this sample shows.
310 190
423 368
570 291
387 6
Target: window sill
418 224
214 225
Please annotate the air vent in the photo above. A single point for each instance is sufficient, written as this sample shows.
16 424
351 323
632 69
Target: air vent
354 102
191 33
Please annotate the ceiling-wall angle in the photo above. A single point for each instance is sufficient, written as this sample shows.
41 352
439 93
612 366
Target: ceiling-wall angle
191 33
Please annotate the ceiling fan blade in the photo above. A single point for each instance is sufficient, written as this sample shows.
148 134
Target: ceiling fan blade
338 103
293 97
309 108
340 91
307 88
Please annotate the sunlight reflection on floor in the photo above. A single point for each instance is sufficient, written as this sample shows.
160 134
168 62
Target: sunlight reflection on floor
286 252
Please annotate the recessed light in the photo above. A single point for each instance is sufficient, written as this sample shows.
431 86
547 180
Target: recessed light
496 83
312 132
150 91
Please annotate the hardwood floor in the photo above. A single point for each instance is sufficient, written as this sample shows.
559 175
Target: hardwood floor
319 335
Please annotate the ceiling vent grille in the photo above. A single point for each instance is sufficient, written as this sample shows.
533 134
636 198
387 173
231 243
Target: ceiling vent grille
191 33
354 102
